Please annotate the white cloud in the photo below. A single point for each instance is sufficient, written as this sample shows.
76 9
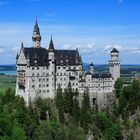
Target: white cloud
86 48
132 50
1 51
66 46
108 48
15 50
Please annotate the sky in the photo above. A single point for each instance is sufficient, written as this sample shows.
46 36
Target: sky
92 26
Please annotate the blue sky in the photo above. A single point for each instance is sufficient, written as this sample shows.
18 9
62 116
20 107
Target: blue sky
92 26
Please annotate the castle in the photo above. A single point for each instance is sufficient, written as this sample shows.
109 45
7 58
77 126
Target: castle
40 71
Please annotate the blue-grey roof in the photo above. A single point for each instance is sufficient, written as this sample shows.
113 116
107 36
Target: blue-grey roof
114 51
62 57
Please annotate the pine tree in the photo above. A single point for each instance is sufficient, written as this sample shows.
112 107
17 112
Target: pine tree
76 112
68 100
60 104
118 87
85 111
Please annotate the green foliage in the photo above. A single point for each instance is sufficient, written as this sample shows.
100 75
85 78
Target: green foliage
64 118
110 129
18 133
118 87
54 131
68 98
130 99
85 112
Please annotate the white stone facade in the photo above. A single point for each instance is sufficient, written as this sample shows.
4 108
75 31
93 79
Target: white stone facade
40 71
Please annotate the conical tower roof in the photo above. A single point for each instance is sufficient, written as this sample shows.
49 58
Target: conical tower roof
36 27
51 45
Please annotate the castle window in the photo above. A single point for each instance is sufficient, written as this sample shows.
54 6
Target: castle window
58 67
47 85
61 61
33 86
94 100
33 74
64 67
37 68
33 68
38 74
33 80
39 79
39 85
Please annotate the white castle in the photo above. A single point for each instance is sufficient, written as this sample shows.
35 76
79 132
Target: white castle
40 71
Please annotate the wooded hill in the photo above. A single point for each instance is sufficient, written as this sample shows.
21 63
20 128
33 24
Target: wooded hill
64 119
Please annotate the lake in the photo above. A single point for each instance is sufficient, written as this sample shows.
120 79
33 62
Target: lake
8 72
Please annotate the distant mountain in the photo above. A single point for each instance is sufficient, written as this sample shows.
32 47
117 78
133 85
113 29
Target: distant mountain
8 67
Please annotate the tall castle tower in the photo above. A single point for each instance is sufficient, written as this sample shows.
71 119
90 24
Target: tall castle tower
51 58
114 64
36 37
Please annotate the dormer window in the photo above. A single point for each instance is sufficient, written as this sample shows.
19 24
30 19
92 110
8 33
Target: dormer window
61 61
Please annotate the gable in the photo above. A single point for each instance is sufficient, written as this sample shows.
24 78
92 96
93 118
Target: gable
21 58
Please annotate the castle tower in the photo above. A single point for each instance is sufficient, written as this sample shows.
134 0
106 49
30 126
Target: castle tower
51 58
114 64
91 68
36 37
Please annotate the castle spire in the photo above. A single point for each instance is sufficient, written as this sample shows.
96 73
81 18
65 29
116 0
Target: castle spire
51 45
22 46
36 36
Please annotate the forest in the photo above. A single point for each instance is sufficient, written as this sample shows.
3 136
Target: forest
65 119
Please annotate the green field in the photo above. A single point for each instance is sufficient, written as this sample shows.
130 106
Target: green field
7 82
